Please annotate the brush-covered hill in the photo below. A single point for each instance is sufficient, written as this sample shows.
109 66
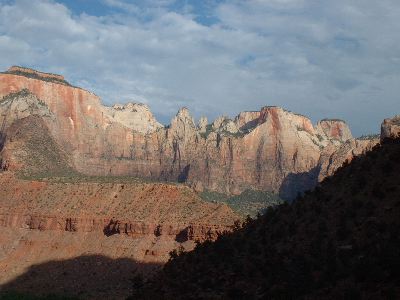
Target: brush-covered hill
341 241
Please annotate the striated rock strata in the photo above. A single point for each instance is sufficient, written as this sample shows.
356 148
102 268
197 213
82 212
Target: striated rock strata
42 221
271 149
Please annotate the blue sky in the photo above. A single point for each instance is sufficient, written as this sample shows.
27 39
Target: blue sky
338 59
202 11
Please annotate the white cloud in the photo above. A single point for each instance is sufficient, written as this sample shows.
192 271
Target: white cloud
129 7
332 59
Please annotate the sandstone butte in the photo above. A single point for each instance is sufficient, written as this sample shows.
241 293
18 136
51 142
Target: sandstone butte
51 125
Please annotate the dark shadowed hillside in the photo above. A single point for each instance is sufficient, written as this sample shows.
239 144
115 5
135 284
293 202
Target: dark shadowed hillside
341 241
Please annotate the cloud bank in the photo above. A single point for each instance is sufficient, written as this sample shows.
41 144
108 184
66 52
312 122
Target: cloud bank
323 59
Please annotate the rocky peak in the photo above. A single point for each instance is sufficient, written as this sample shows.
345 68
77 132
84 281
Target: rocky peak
216 125
229 126
183 116
136 116
281 118
269 112
390 127
182 125
247 120
272 149
334 129
202 125
133 107
225 125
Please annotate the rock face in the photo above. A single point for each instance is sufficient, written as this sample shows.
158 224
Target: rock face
130 209
136 116
287 253
272 149
65 216
202 126
390 128
334 130
225 125
247 120
332 158
48 221
54 130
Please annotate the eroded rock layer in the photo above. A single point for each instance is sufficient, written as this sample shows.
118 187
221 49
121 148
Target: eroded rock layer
142 222
52 133
272 149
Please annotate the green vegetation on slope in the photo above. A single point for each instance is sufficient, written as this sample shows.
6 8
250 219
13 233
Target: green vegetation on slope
371 136
15 96
250 202
209 129
332 120
64 176
341 241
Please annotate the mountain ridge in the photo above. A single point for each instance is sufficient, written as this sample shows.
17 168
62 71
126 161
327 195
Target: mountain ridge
266 150
78 178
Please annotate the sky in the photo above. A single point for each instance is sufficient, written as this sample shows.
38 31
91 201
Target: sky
322 59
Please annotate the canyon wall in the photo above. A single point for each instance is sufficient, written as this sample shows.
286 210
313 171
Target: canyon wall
106 229
54 134
271 149
44 221
129 208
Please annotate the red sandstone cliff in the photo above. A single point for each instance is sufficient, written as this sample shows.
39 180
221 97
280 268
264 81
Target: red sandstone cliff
66 215
272 149
53 129
43 220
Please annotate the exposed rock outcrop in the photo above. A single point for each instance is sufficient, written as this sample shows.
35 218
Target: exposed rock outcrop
390 128
68 217
225 125
247 120
334 130
323 246
136 116
272 149
55 132
202 125
182 126
332 158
